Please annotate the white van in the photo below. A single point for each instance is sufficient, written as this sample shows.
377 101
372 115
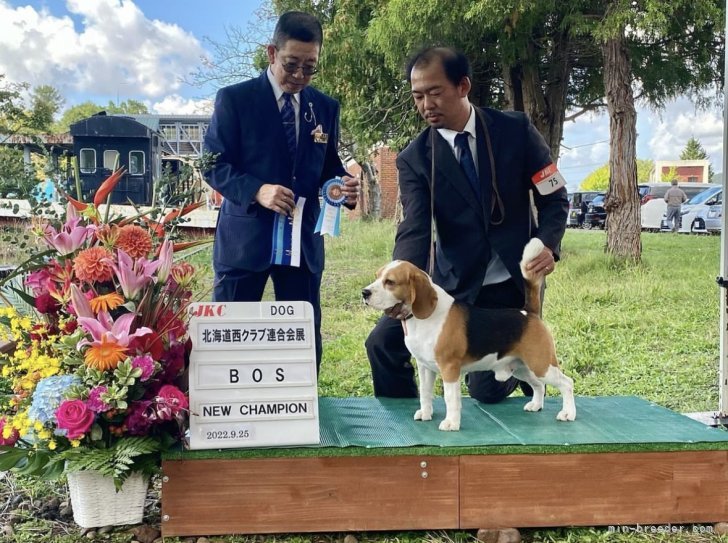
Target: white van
653 204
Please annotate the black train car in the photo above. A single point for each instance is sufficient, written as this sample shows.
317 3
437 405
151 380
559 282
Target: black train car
103 142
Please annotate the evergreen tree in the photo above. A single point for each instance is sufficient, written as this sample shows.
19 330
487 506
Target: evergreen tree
694 151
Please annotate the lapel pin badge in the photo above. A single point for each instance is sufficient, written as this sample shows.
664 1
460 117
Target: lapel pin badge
318 135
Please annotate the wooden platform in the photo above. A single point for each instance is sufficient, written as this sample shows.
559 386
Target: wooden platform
624 461
279 495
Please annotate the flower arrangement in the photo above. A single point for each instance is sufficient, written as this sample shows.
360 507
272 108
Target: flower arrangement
95 381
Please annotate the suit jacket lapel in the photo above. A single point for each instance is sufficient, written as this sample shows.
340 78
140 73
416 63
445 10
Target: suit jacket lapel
449 168
304 127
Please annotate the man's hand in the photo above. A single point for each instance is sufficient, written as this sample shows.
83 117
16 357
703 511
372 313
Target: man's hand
350 190
276 198
543 263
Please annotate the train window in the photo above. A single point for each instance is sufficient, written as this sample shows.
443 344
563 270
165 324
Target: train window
87 160
111 159
136 163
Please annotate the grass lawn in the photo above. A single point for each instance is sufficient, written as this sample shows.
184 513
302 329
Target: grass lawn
649 330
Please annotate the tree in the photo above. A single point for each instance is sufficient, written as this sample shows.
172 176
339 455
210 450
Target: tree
13 116
45 102
670 176
672 37
599 178
694 151
84 110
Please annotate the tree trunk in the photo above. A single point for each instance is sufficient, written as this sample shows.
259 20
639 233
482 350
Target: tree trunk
373 194
543 101
622 201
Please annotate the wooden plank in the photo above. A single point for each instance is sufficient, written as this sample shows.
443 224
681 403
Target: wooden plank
211 497
593 489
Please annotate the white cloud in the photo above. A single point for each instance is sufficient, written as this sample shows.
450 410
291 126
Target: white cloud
116 47
175 104
670 132
661 135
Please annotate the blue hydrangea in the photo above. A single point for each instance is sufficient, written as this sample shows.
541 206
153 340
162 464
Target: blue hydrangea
48 395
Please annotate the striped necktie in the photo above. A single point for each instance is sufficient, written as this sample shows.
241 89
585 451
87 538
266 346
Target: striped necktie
289 124
467 162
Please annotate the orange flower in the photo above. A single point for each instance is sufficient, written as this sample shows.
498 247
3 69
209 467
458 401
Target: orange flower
91 265
106 302
183 273
105 356
108 234
134 241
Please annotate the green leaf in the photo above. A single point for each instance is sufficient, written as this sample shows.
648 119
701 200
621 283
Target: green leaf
11 456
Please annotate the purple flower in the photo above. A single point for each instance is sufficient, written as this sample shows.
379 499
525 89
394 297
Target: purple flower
71 235
133 275
105 330
95 403
139 421
146 364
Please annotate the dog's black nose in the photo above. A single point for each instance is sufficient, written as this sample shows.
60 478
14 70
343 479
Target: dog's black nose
365 293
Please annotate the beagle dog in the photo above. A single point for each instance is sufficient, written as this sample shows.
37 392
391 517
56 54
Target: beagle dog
453 338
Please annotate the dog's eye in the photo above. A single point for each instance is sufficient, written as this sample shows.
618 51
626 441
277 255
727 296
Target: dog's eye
388 282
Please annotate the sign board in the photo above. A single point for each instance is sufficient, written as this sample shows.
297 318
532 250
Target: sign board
252 375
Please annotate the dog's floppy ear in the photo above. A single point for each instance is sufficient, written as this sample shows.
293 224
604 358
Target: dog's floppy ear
422 296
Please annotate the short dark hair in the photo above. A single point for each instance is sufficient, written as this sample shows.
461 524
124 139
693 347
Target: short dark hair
297 25
455 63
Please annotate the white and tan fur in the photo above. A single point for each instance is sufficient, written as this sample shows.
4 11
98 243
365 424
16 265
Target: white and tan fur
436 337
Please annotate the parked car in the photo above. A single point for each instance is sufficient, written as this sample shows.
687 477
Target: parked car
596 215
700 214
653 204
578 206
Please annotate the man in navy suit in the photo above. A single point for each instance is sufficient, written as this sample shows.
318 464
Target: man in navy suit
487 165
276 144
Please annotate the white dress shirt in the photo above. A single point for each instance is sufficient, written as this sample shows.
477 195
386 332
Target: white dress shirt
497 271
278 92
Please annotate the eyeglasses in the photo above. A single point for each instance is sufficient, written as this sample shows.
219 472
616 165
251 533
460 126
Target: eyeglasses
292 68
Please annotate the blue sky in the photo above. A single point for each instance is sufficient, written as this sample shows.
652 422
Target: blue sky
101 50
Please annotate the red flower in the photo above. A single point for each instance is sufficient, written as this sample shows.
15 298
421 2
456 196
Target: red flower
10 440
148 343
170 401
47 304
75 417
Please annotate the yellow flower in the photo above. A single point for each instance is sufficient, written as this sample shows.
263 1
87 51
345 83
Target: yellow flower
44 434
75 442
106 302
52 445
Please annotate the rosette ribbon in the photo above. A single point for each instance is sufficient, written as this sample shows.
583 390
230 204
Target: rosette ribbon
329 220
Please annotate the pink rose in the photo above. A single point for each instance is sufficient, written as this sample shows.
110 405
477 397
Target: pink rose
75 417
14 435
170 400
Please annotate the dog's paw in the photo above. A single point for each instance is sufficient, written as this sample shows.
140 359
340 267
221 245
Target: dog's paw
448 425
565 415
423 414
533 406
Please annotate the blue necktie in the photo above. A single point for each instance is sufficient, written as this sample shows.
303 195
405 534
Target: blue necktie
466 161
289 124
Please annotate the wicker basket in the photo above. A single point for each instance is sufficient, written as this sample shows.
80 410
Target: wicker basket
96 502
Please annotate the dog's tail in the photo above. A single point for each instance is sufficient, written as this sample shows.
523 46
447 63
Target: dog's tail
532 281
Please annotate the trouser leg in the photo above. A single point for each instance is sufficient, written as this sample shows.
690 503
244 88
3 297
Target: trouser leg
391 362
299 284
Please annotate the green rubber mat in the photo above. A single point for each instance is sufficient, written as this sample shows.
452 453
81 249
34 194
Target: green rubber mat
384 422
385 427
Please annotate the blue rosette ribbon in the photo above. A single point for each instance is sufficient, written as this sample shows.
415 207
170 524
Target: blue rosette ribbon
329 220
